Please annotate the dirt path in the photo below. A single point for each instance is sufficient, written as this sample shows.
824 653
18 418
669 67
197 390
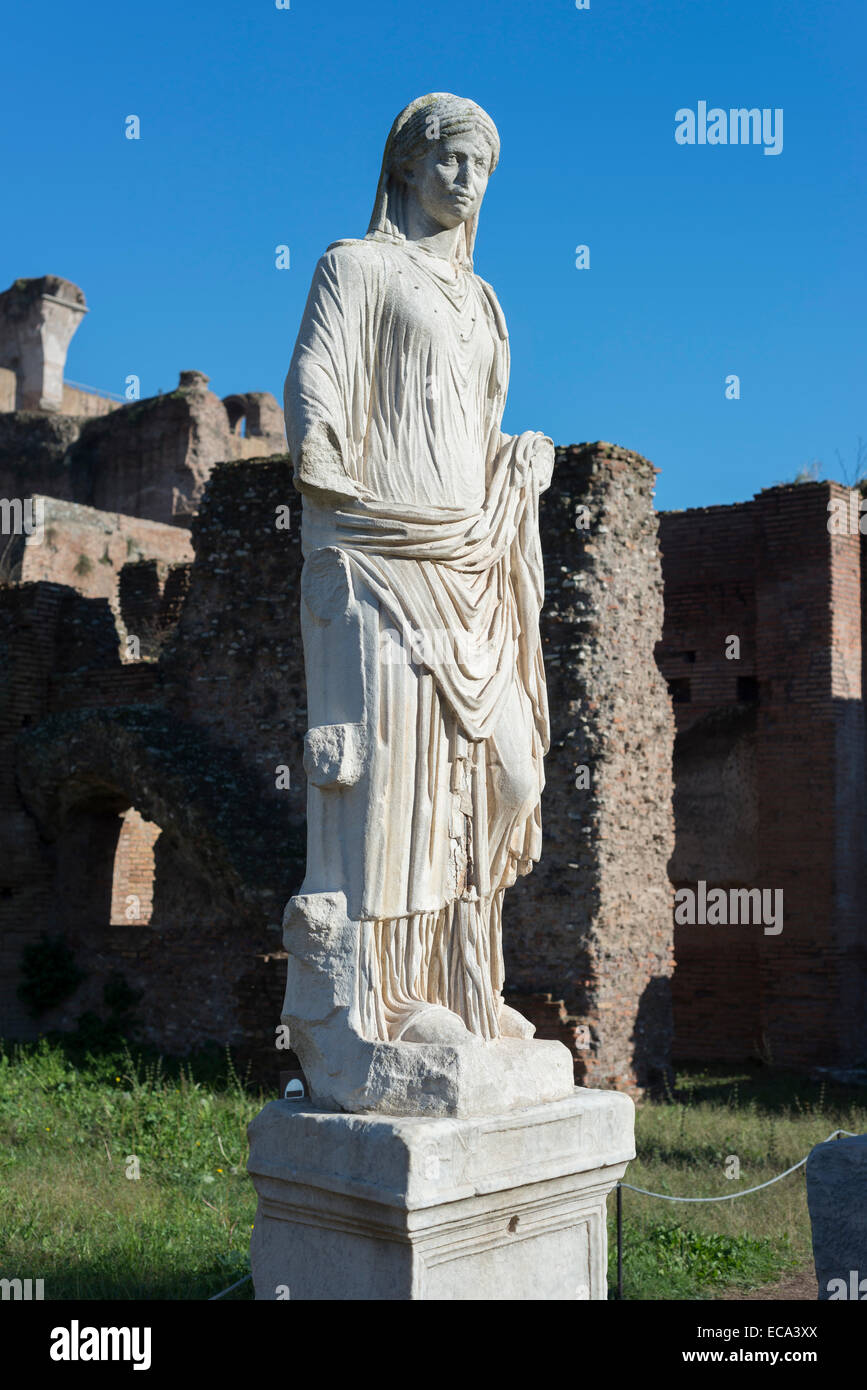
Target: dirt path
801 1286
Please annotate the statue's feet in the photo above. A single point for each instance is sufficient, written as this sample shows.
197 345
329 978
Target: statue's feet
514 1025
431 1023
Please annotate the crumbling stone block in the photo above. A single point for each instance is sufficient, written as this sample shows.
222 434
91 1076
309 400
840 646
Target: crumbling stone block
837 1198
37 320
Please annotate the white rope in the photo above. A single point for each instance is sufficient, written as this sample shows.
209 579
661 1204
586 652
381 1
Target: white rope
230 1288
730 1197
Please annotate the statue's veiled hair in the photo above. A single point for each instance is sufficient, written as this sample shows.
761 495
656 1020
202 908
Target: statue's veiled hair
409 138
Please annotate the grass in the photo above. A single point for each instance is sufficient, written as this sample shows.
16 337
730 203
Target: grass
76 1216
686 1143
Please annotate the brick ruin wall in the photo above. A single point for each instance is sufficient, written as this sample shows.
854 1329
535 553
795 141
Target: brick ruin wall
769 773
85 404
149 459
193 738
87 549
591 926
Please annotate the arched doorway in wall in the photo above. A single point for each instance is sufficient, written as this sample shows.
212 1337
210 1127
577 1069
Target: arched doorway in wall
104 866
200 958
84 862
147 924
99 883
236 409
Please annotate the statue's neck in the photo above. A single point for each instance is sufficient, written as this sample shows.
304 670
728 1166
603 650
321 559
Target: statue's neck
421 229
444 243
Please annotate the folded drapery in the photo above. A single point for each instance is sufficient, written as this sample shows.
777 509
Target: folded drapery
464 592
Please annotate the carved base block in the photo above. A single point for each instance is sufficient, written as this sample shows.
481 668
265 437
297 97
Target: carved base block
510 1206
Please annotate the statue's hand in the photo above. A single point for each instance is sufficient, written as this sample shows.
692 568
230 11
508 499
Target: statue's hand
534 459
542 461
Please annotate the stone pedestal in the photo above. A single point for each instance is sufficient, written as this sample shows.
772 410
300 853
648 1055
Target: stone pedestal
510 1206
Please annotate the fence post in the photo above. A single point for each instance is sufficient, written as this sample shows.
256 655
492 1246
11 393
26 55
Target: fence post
619 1242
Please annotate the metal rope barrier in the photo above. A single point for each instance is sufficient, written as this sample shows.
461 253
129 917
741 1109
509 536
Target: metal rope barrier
230 1288
729 1197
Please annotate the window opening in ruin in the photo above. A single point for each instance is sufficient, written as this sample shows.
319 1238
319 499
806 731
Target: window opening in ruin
236 409
748 690
132 883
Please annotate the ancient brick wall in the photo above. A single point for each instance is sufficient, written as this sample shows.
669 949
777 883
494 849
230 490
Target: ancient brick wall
86 404
769 773
148 459
34 454
192 742
152 458
85 739
87 549
592 924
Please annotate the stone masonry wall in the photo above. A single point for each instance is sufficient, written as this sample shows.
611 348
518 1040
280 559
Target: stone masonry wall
86 404
87 549
149 459
769 764
100 755
588 935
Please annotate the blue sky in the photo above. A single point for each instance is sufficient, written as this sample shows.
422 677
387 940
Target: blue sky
262 127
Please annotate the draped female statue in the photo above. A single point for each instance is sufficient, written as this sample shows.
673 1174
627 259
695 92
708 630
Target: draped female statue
420 599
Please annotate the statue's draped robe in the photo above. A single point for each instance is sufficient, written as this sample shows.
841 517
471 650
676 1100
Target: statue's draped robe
420 609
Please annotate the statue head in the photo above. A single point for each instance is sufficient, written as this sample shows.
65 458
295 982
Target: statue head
440 152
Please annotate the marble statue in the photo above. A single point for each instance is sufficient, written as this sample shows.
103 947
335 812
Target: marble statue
443 1152
420 599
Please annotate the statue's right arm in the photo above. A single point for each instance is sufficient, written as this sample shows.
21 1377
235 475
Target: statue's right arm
319 468
321 378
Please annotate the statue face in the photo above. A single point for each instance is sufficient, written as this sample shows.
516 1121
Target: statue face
450 179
